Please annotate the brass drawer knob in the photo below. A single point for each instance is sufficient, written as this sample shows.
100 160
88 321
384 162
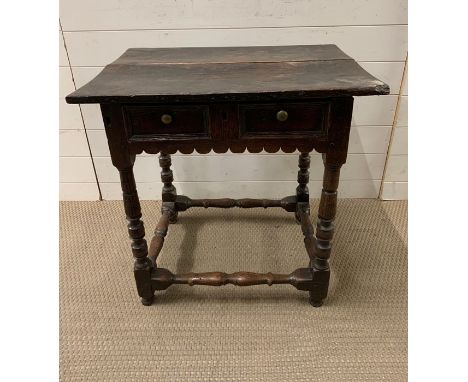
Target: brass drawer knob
166 119
282 115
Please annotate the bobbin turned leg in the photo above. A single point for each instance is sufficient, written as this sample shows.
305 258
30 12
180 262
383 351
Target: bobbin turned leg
302 190
123 161
169 192
324 233
143 265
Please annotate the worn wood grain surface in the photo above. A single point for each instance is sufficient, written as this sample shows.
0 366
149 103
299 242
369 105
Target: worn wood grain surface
217 74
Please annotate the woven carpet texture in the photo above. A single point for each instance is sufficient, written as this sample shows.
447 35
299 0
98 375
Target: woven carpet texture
231 333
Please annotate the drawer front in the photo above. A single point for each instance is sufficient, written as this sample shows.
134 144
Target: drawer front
167 121
284 118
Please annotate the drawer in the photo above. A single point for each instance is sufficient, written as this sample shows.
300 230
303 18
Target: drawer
166 121
284 118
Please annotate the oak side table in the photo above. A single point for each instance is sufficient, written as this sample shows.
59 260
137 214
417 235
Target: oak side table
243 98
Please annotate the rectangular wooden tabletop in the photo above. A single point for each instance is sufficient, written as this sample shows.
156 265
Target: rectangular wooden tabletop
228 73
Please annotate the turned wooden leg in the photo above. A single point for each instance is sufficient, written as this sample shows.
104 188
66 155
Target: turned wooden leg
143 265
324 233
302 191
169 192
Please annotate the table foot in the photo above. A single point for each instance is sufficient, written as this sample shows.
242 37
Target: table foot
147 301
315 303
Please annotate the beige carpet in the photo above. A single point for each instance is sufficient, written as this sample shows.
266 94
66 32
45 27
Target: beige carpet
230 333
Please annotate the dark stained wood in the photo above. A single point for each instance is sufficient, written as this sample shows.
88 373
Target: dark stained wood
160 233
307 229
169 192
302 191
301 118
183 203
188 120
341 111
217 127
324 234
227 130
271 144
123 161
153 75
238 99
302 278
229 55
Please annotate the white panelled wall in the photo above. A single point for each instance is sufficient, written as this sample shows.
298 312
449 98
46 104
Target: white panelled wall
94 33
395 183
77 178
